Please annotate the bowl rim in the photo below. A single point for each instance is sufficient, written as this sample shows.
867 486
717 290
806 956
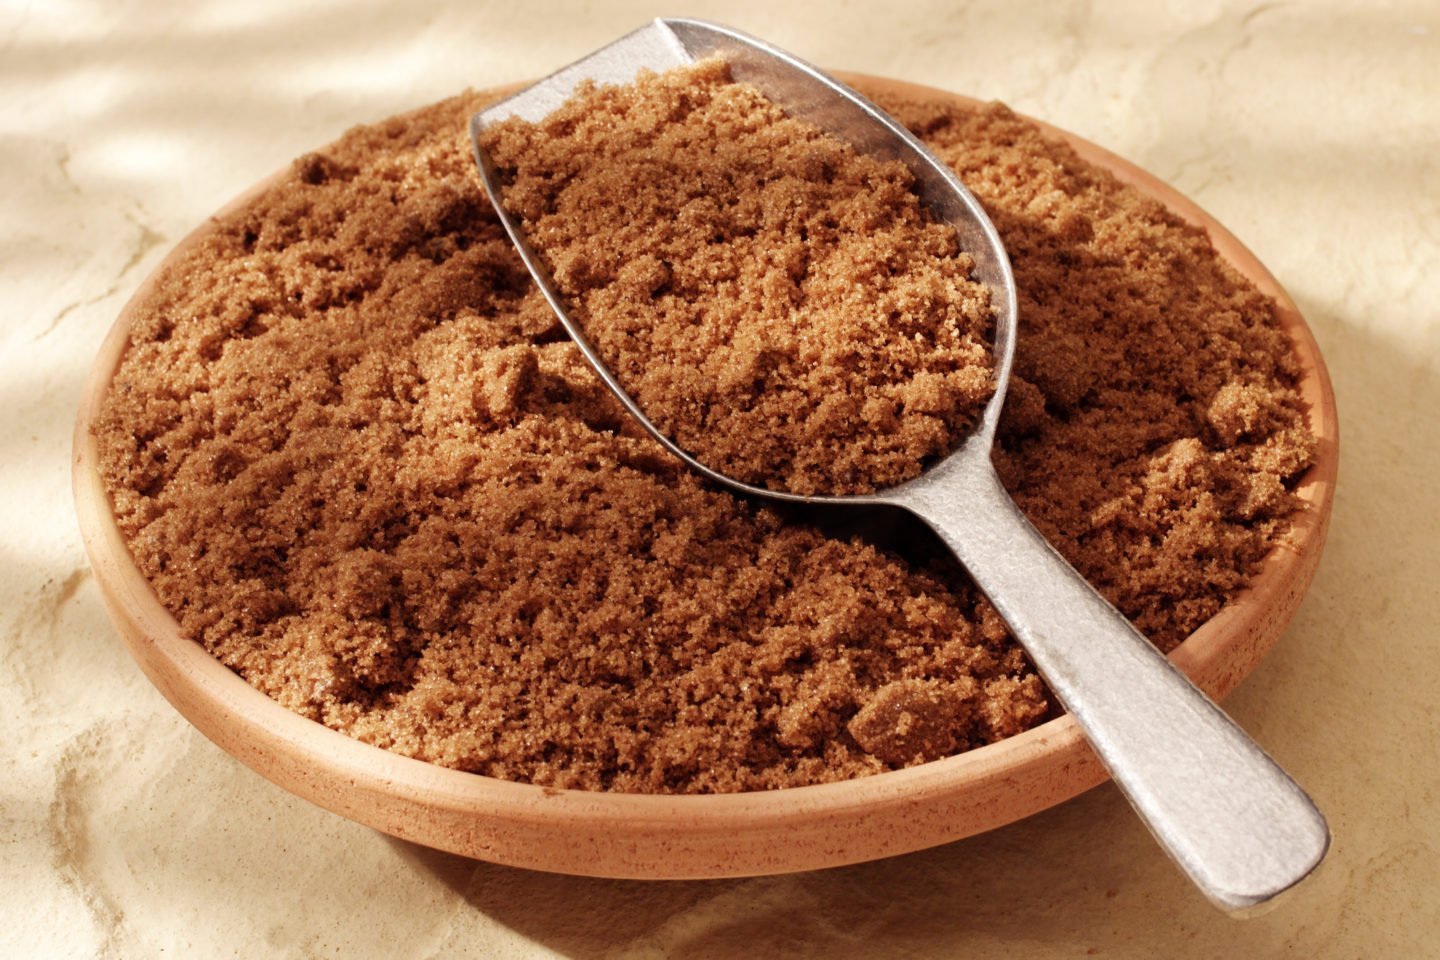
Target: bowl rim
692 836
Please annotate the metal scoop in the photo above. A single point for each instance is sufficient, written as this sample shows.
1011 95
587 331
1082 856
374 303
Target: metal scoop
1229 816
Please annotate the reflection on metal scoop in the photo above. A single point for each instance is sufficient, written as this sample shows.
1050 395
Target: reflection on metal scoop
1229 816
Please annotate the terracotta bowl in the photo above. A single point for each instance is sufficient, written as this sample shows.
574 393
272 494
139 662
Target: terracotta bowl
621 835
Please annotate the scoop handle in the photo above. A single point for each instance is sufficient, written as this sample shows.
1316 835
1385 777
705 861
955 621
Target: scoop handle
1229 816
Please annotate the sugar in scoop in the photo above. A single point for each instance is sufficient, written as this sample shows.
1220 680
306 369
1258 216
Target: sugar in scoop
781 305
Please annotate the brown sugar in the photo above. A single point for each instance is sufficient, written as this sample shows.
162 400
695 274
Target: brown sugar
360 463
781 306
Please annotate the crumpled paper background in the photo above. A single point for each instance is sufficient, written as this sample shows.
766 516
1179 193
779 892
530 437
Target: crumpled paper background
1311 130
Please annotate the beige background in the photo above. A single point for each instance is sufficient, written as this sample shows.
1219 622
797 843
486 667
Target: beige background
1311 130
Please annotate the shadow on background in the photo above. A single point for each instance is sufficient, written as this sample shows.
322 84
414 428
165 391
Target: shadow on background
1086 874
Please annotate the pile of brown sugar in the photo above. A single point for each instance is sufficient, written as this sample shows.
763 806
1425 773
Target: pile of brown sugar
781 306
359 462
